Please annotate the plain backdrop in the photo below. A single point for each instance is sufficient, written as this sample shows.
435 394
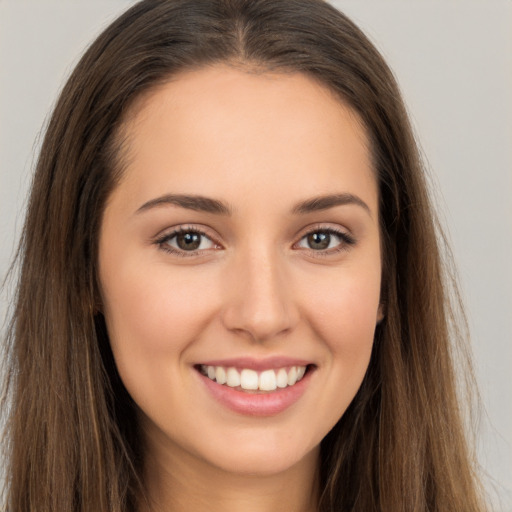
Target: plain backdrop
453 59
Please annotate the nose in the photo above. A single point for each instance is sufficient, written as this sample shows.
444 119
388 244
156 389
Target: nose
260 301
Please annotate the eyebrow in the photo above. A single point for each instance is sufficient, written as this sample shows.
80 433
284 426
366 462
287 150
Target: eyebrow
209 205
320 203
190 202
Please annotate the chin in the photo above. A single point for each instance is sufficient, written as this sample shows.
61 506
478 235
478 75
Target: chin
261 458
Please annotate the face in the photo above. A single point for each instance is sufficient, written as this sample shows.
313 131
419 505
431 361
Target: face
240 267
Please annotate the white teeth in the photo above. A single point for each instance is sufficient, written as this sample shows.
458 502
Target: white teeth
267 380
282 378
292 376
249 379
220 375
233 377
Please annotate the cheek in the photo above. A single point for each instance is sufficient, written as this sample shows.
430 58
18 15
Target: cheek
349 337
346 308
151 308
151 319
343 314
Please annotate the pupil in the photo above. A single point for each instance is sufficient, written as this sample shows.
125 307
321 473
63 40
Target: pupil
319 240
188 241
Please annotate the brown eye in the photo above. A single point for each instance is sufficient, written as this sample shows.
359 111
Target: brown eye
326 240
188 241
319 241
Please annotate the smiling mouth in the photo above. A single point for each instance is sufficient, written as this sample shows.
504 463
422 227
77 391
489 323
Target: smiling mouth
252 381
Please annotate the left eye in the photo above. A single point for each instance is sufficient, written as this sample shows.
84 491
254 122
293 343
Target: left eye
322 240
188 241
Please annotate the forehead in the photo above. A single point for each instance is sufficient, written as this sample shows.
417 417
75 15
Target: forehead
225 126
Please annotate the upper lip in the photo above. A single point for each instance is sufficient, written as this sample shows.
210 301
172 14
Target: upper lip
250 363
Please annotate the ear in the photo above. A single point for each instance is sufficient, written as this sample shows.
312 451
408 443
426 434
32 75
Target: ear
381 313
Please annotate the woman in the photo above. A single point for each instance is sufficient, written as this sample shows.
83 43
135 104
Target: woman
231 291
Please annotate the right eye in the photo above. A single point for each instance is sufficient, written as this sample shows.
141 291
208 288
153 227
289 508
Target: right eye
186 242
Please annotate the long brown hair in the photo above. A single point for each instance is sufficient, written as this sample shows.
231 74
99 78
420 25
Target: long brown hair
72 438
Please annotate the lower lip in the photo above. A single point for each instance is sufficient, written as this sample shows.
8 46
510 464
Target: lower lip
257 404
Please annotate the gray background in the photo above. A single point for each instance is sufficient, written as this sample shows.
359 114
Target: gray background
453 59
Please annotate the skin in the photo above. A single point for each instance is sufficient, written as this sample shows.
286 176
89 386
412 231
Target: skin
261 144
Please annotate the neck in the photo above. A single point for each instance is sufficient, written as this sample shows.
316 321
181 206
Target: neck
183 483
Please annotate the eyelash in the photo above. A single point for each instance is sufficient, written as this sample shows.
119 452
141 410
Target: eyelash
346 241
162 241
